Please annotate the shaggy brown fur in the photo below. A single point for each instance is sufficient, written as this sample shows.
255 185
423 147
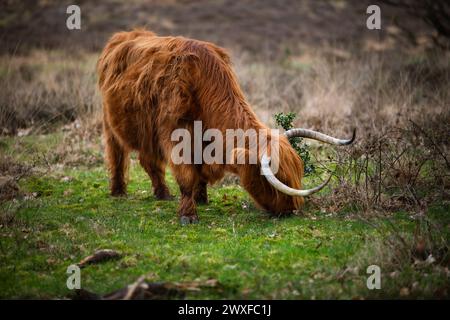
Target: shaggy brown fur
153 85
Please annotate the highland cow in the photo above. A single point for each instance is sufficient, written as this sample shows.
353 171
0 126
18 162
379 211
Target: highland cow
154 85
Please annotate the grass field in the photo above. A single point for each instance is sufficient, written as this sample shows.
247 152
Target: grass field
67 214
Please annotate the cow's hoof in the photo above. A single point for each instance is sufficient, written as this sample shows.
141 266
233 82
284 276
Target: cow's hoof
185 220
166 197
118 193
202 201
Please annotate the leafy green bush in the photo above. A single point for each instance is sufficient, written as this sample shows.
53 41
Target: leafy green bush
285 120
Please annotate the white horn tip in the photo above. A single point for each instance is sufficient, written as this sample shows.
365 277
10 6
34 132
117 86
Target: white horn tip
350 141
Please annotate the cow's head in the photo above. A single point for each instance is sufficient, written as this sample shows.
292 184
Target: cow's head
282 192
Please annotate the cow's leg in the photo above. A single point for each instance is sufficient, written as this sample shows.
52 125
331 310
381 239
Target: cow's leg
117 158
201 193
156 169
187 179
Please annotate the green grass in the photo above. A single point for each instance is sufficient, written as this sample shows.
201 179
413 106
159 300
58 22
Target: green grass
251 254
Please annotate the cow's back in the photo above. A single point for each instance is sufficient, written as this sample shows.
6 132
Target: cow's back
141 76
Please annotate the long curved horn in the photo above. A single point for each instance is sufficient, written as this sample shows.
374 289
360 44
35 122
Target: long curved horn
280 186
305 133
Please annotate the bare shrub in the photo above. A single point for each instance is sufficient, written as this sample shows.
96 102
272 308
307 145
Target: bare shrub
398 170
